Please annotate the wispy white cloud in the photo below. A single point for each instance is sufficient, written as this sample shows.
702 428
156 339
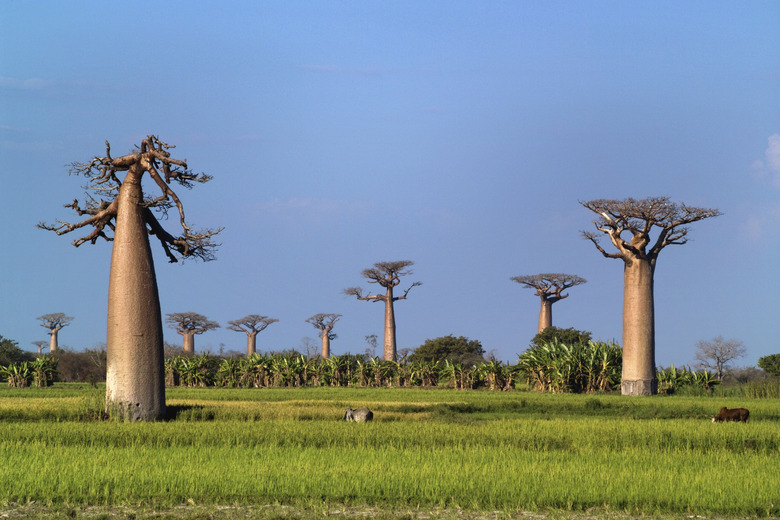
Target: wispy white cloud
764 170
48 85
24 84
772 155
314 207
343 71
769 166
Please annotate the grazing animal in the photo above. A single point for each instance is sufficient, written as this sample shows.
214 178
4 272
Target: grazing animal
734 414
359 415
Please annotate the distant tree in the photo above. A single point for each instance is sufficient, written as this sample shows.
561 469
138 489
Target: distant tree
468 352
188 324
718 353
171 350
54 323
570 336
251 325
371 341
770 364
549 287
88 366
11 353
744 375
325 323
387 275
40 345
639 253
310 347
121 213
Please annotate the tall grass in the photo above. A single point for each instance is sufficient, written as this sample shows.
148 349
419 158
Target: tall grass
477 450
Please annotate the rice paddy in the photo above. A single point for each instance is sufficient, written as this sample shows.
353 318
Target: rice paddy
465 450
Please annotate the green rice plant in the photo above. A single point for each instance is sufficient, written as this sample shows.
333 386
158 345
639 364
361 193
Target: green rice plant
504 464
762 389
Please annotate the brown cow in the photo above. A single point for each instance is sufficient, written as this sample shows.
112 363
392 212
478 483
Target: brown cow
734 414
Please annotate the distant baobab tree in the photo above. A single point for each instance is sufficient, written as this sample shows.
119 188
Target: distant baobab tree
549 287
639 253
54 323
188 324
387 275
325 323
119 212
251 325
40 345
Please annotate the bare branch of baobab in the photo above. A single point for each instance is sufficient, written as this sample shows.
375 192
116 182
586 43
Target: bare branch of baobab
152 157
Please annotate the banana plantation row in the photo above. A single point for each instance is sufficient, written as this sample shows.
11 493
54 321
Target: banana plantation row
551 366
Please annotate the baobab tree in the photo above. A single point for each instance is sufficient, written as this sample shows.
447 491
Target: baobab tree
251 325
119 212
325 323
40 345
54 323
639 252
549 287
188 324
387 275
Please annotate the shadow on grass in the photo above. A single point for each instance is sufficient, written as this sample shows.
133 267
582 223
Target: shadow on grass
188 412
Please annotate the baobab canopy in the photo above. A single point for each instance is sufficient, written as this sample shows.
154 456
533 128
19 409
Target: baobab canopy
549 287
639 218
102 206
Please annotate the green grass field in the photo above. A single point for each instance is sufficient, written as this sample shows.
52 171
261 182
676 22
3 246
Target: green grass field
427 450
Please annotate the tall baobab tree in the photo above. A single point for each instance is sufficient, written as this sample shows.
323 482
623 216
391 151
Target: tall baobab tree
387 275
325 323
54 323
188 324
251 325
628 224
549 288
118 211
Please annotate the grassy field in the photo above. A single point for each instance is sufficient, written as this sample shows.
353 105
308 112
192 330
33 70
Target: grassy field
257 452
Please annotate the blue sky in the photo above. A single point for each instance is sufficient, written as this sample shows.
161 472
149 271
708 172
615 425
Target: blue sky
458 134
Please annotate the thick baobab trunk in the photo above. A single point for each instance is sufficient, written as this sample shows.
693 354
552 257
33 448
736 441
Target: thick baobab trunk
251 344
188 343
390 353
639 376
325 344
545 314
53 341
135 377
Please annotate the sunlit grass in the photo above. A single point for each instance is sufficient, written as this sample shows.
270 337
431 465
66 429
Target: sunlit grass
476 450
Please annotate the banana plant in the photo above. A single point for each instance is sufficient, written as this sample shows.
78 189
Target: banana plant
44 370
18 375
229 373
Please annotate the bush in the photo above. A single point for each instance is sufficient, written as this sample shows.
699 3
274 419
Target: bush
770 364
570 336
449 348
87 366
